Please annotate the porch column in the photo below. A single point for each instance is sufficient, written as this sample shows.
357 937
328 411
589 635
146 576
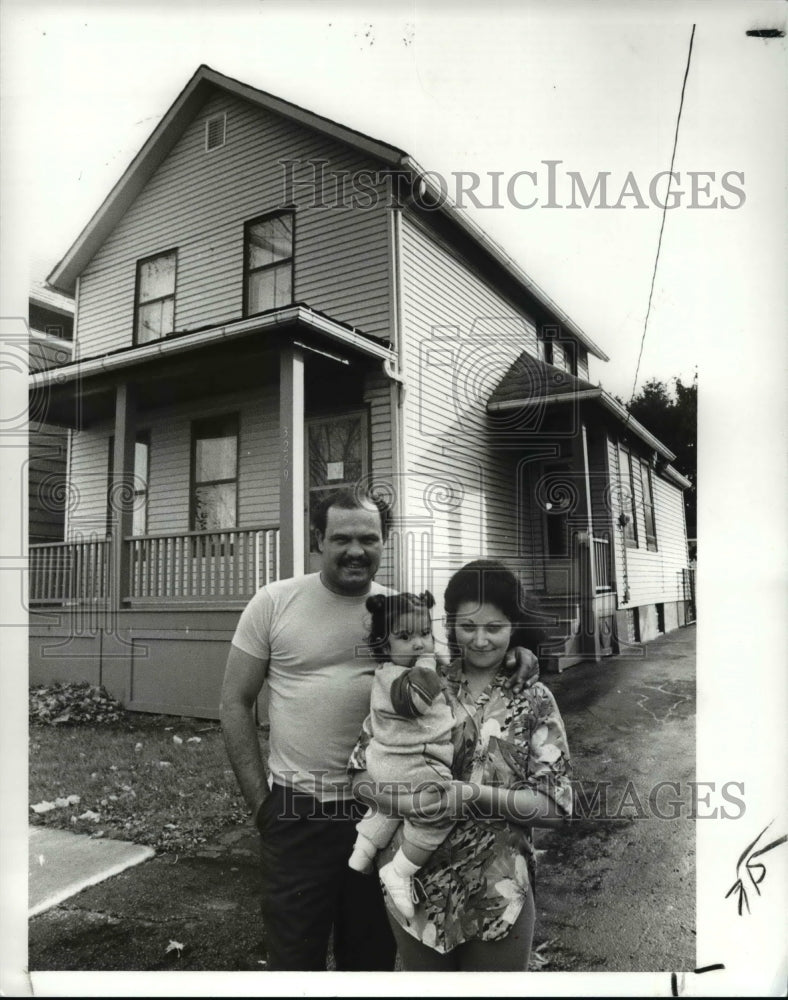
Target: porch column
122 492
291 474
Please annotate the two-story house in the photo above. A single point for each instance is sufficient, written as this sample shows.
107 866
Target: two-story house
270 305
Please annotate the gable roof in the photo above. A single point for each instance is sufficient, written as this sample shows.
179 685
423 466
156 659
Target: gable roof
164 137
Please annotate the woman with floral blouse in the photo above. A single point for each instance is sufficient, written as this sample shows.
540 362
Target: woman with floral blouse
475 908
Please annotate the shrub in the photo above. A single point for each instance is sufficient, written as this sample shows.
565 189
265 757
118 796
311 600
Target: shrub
74 704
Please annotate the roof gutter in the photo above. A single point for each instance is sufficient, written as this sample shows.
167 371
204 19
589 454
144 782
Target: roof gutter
450 209
290 316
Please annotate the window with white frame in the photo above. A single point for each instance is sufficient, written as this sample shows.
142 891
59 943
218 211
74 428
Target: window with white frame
268 278
214 487
155 298
141 473
627 503
648 507
140 483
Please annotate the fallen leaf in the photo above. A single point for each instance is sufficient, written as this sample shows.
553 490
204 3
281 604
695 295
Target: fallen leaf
165 763
137 747
113 767
43 807
41 859
174 946
194 739
168 729
98 833
90 815
538 958
177 740
68 800
170 826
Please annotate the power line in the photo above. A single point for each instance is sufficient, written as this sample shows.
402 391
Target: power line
664 213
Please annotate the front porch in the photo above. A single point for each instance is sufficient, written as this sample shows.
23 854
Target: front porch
195 463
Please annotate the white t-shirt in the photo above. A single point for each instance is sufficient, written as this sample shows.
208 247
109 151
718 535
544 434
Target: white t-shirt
319 678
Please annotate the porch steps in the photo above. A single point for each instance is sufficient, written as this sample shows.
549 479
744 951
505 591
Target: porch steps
556 617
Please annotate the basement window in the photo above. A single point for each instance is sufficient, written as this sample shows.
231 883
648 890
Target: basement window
215 131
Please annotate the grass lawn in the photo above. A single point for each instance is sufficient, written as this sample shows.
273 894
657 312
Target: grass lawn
159 780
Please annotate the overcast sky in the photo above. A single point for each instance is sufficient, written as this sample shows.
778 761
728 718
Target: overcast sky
595 87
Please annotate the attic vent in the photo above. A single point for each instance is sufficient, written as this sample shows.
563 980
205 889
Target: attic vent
214 132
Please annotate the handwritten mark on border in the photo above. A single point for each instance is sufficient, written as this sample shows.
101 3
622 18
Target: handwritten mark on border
755 870
677 985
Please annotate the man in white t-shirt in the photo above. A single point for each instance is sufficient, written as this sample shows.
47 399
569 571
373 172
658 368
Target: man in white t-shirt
305 637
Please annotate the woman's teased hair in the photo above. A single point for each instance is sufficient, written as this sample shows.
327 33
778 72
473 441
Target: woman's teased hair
385 610
487 581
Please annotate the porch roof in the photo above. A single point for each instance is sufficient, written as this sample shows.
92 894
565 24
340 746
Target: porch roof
339 334
529 379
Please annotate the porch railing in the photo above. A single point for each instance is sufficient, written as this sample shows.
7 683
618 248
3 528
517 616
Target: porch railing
191 566
602 563
69 572
203 565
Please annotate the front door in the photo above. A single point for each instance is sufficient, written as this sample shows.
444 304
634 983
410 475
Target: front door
560 527
336 456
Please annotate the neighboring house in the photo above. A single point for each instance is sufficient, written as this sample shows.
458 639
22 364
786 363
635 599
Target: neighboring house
51 327
270 305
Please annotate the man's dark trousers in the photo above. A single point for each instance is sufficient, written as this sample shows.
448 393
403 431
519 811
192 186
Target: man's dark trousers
307 888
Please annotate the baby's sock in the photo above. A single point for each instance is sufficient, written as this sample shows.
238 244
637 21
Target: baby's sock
402 866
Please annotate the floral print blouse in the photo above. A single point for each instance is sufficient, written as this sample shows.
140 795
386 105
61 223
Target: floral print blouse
474 885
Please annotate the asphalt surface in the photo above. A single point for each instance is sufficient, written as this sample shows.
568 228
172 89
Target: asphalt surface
615 890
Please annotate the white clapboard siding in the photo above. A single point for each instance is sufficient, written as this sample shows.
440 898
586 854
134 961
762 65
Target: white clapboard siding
559 356
653 577
460 338
87 514
582 361
198 203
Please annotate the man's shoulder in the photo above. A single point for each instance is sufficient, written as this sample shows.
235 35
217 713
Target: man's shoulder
307 587
292 585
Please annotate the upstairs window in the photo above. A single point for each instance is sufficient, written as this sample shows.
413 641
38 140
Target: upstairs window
268 280
648 507
155 300
628 505
214 489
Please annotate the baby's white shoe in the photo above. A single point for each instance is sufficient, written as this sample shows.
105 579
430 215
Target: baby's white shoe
400 889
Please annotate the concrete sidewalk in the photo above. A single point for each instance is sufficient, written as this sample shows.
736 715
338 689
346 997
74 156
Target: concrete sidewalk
61 864
610 896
